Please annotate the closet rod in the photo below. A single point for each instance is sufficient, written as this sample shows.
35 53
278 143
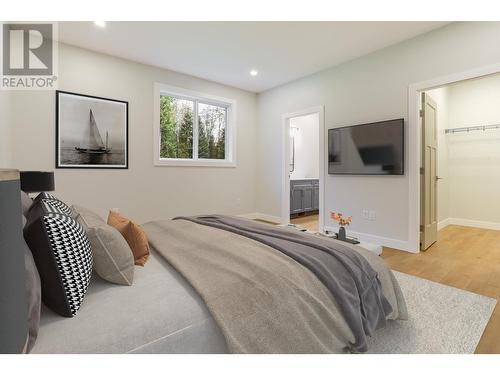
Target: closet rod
472 128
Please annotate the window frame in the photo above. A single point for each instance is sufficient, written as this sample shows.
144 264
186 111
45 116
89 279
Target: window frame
197 97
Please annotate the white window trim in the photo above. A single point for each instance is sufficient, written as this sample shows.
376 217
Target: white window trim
230 161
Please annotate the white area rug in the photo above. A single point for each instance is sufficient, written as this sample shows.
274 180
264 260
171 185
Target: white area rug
441 319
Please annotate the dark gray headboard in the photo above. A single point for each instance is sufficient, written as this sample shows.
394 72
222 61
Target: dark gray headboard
13 305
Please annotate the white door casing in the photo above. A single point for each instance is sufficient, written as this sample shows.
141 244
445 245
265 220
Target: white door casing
285 165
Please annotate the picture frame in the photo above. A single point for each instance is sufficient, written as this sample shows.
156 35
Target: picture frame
91 132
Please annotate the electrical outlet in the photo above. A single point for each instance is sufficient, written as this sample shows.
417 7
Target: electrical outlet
365 214
372 215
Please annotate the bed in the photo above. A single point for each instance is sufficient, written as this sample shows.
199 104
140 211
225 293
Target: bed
159 313
211 288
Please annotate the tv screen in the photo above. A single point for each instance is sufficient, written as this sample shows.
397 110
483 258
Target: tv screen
374 149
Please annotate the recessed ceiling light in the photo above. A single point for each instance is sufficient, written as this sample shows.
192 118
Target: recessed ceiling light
100 23
253 72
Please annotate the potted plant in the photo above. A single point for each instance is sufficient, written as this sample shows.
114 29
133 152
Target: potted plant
343 222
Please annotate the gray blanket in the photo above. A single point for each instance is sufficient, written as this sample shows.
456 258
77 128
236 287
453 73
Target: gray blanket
347 275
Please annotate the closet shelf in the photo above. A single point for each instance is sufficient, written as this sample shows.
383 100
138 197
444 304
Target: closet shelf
472 128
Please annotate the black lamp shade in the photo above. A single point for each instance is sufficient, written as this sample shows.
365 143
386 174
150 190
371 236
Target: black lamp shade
33 181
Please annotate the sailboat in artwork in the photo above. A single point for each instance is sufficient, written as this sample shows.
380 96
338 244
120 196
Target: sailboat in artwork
92 142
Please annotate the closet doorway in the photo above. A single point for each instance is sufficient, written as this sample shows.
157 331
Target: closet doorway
460 160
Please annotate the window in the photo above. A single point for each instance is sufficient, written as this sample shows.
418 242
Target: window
212 120
193 129
176 128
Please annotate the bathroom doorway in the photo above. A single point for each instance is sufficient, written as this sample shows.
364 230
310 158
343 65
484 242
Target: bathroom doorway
303 169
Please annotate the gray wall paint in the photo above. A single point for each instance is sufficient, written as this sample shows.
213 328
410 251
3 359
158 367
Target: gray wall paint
5 130
13 311
143 192
374 87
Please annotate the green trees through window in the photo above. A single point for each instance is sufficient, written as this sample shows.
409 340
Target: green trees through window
177 125
211 131
176 128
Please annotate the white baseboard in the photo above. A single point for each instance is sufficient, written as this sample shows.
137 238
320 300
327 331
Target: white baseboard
251 216
383 241
469 223
260 216
443 223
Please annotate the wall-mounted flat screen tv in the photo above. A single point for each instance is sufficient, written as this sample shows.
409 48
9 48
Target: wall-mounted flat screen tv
369 149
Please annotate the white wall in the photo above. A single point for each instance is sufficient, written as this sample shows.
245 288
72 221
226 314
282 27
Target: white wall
143 192
371 88
474 158
306 146
440 96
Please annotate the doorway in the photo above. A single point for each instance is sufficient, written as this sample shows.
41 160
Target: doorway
460 166
303 168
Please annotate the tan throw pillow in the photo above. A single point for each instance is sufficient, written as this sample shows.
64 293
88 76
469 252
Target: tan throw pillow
113 259
133 234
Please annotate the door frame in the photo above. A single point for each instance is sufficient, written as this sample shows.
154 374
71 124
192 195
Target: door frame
285 161
415 142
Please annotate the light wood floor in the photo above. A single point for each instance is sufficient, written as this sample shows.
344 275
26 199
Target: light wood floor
310 222
465 258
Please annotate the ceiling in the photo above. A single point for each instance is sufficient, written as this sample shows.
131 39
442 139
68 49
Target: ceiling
225 52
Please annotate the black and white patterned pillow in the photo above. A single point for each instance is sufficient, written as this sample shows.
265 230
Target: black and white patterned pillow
63 256
45 195
50 208
73 256
60 205
53 201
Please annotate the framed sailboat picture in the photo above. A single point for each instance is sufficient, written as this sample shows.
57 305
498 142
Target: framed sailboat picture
91 132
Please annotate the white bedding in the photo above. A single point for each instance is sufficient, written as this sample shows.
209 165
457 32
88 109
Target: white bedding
159 313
